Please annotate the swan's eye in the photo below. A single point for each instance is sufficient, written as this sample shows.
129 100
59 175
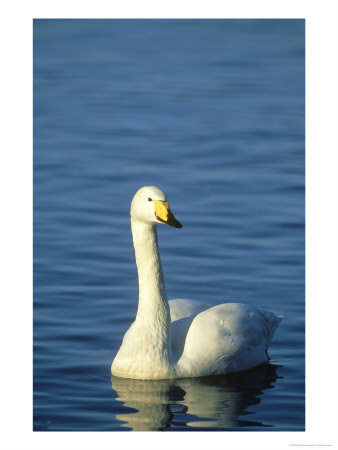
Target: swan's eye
149 199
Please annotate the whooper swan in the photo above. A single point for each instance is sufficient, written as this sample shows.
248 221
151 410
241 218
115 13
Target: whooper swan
183 338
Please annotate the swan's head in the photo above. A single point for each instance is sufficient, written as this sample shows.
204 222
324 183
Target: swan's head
150 205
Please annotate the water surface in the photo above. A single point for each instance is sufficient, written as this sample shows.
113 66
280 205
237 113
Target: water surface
212 112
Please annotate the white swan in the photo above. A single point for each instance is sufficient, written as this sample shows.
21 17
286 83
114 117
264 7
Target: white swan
182 338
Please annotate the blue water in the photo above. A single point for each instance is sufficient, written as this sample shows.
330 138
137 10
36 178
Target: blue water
212 112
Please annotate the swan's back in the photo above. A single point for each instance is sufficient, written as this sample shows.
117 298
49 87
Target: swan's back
230 337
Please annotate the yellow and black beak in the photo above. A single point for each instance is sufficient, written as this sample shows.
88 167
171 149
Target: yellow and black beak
163 213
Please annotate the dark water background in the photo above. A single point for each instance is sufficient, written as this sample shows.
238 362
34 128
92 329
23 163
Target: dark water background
212 112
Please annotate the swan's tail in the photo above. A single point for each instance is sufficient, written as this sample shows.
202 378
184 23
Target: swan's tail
274 325
272 321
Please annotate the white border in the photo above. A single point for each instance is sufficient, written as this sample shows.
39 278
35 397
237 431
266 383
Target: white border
321 221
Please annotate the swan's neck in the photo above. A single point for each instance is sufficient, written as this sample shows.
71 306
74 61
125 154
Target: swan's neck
153 309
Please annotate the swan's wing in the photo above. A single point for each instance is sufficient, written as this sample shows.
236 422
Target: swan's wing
181 308
182 312
227 338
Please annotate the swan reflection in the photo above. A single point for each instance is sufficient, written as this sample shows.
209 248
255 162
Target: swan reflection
208 402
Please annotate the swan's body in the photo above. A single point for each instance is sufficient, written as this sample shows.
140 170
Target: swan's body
182 338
